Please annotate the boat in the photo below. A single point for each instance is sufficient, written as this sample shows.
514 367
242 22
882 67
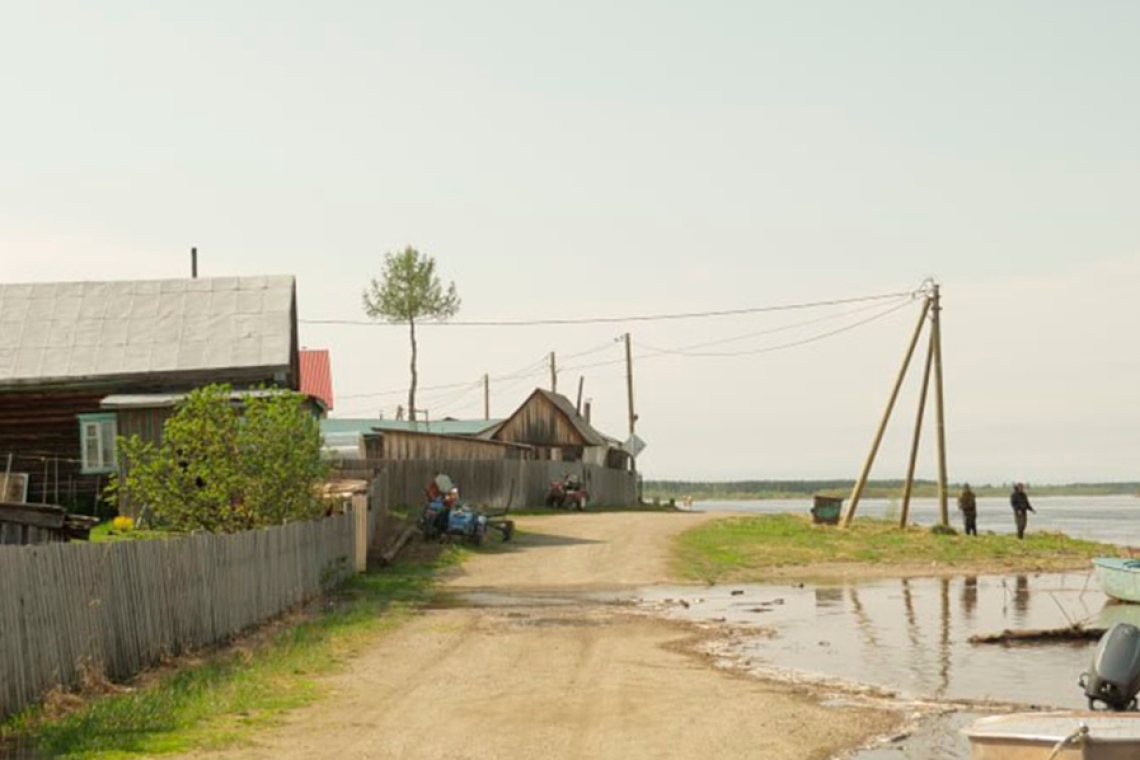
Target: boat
1072 735
1119 578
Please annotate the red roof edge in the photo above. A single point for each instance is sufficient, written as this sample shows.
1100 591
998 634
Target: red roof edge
316 375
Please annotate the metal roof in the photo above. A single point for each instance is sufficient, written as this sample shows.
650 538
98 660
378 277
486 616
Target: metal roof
316 375
161 400
72 330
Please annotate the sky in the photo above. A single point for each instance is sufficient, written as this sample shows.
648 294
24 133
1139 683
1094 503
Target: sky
574 161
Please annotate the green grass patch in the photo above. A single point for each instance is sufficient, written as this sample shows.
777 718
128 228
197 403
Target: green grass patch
740 549
104 531
221 700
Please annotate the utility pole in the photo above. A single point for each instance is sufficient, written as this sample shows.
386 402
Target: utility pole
486 397
629 384
909 485
553 374
857 491
936 340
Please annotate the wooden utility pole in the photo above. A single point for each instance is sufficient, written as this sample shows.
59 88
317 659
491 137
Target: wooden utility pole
629 384
936 339
909 484
553 374
860 484
486 397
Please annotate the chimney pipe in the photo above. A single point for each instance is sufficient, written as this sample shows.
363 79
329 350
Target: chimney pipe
586 409
194 263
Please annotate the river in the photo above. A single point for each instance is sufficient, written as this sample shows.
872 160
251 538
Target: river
1112 519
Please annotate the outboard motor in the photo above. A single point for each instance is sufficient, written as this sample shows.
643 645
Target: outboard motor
1114 676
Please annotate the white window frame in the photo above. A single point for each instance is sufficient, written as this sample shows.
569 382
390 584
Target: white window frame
97 433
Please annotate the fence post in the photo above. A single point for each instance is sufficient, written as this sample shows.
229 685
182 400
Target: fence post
360 537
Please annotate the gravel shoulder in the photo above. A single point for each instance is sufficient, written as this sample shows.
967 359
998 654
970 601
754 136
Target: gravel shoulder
552 676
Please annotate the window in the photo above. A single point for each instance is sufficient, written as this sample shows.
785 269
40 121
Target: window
97 442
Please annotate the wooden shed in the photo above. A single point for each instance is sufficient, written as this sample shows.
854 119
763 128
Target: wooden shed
66 347
550 424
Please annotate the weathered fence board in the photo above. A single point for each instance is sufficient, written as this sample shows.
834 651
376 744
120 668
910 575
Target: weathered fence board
120 607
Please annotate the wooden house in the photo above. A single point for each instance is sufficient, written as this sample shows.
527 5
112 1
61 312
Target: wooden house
83 362
550 424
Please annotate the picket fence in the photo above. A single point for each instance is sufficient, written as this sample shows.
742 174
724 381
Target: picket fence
118 607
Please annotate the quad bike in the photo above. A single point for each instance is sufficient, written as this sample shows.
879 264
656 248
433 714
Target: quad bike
568 493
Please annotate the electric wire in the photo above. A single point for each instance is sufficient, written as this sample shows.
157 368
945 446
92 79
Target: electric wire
629 318
779 347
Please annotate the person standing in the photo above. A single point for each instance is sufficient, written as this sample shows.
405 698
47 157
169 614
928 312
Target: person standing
968 506
1021 508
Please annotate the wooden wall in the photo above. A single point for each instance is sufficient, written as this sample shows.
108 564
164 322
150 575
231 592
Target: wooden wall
41 432
540 423
121 607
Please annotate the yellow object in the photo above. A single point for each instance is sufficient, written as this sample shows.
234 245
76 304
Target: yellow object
123 523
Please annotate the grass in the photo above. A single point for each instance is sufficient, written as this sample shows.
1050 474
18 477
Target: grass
740 549
104 531
219 701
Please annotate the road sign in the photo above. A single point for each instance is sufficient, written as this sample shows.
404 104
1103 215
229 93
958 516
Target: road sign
634 445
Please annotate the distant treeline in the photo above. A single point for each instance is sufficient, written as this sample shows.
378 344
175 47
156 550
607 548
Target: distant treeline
664 490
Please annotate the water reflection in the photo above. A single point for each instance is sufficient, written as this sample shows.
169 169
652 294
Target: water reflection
969 595
908 635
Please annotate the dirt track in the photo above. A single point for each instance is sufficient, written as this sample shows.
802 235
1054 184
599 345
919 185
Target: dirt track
557 677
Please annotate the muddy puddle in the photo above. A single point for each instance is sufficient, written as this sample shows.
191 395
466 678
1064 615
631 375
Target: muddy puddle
910 639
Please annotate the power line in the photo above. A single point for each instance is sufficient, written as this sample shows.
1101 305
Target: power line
780 347
612 320
527 370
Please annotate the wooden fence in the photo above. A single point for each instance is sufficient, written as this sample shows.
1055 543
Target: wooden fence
520 483
120 607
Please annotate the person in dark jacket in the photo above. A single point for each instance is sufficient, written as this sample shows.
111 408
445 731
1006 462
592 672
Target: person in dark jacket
1021 508
968 506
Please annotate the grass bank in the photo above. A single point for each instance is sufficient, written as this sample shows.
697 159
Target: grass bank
755 548
219 699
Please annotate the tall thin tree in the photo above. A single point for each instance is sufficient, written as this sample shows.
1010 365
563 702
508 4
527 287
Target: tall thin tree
409 290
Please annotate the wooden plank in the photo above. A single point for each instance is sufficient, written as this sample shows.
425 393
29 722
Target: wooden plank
40 516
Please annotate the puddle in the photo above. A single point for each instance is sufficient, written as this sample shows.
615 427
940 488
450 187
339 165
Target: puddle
911 636
908 638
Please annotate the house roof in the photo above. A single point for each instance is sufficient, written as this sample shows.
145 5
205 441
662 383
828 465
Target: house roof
585 429
438 427
61 331
316 375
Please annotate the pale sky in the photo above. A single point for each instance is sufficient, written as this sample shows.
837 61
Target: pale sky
574 160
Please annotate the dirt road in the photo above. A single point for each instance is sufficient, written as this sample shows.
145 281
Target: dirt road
552 675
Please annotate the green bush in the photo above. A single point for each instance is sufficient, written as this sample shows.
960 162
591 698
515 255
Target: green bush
224 467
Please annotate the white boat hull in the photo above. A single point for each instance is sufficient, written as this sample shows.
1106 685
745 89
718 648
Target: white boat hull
1056 736
1118 578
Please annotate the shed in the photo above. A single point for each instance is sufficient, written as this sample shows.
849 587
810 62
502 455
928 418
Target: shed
549 423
